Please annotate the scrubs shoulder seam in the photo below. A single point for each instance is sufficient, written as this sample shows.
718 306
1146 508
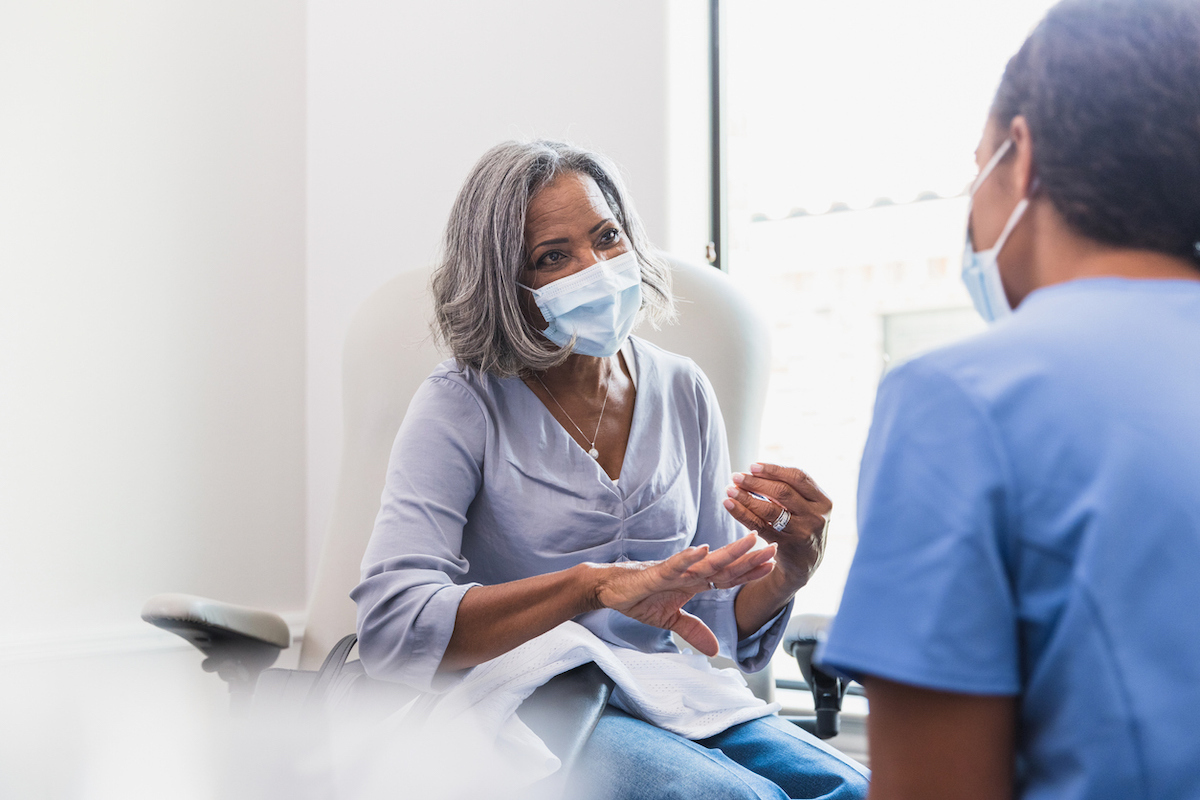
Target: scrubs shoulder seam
1012 500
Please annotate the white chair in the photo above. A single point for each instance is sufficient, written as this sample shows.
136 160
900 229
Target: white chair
389 351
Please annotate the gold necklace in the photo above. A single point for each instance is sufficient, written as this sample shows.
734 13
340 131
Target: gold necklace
593 452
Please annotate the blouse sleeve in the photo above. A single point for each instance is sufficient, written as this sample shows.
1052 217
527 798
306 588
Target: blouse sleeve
716 528
408 596
929 601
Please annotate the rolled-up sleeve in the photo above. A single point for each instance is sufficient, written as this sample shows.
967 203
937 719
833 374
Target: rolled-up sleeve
716 528
408 597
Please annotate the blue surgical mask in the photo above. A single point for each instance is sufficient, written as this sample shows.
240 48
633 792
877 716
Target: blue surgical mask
981 272
594 309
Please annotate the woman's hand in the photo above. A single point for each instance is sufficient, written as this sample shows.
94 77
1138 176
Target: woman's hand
654 592
801 540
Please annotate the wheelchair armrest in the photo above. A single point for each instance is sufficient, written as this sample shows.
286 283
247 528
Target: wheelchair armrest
239 642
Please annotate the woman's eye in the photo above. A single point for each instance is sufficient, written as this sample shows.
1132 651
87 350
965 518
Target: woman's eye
610 236
550 259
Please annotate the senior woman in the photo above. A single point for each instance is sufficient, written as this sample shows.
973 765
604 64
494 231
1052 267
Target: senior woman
560 469
1023 605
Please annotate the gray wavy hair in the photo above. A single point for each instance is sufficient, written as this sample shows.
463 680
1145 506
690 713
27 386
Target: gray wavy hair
477 308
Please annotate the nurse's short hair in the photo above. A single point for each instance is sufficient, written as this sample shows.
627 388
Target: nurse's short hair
477 308
1111 92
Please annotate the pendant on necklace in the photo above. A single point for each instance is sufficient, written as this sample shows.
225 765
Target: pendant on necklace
594 453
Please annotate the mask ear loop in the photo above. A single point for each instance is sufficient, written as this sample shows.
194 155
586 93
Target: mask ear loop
979 179
1018 211
1017 214
989 166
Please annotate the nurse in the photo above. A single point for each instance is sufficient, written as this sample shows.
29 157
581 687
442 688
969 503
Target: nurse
1024 606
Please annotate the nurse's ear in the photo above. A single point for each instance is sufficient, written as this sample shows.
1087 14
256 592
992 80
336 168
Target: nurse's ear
1023 174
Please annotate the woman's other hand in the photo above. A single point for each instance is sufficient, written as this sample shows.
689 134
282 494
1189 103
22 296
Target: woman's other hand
801 540
654 592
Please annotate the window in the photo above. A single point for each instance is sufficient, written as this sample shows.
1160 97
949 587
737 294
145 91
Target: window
850 130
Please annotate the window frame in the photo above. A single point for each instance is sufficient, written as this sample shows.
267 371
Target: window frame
718 244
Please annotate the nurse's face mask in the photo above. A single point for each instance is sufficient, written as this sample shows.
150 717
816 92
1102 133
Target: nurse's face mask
980 271
595 308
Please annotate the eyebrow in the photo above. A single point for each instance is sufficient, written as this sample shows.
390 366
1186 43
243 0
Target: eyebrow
595 228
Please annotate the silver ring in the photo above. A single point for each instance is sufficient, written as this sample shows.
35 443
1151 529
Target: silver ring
712 586
782 520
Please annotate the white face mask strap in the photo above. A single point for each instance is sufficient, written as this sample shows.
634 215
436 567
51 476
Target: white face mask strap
1017 212
990 165
1013 219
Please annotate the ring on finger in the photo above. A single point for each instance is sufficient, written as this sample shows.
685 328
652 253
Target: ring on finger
782 520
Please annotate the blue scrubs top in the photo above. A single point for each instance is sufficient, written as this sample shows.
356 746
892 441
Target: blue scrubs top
1029 512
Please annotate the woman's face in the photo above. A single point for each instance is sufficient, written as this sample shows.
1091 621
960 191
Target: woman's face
568 228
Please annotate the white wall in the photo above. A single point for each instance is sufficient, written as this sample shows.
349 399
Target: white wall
688 178
403 97
157 317
151 309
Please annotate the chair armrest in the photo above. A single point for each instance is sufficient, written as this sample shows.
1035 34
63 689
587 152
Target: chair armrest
806 627
800 639
185 613
239 642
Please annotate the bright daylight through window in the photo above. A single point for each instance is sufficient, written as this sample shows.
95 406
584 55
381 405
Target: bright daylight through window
850 133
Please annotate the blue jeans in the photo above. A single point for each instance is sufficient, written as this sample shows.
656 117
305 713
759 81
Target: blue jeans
628 759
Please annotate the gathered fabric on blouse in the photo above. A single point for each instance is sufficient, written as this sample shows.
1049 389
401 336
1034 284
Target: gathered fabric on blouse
484 486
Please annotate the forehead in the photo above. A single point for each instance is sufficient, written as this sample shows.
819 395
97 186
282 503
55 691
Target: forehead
570 199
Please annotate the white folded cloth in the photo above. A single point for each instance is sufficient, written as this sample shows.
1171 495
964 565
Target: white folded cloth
680 692
472 735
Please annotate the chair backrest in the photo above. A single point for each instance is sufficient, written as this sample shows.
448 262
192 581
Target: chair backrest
389 352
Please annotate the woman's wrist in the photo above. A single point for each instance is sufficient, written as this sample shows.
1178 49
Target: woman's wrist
759 602
790 579
588 579
782 584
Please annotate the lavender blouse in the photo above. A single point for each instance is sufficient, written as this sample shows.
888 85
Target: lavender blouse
485 486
